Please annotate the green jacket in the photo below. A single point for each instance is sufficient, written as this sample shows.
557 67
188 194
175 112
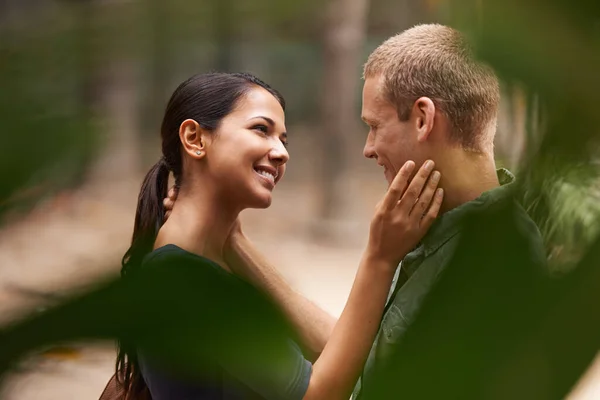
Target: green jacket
420 269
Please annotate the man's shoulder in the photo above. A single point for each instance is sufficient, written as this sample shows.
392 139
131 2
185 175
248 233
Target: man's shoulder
506 225
528 230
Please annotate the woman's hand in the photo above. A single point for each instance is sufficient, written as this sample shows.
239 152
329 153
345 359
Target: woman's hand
405 213
169 201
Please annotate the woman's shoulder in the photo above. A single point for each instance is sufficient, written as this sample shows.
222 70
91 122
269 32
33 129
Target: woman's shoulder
186 275
173 252
194 273
177 259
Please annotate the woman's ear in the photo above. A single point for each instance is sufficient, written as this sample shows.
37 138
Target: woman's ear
193 138
424 110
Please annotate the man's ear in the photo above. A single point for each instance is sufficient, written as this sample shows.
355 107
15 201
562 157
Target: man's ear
193 138
424 117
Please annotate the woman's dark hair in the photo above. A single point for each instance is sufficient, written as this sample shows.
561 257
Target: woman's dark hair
207 99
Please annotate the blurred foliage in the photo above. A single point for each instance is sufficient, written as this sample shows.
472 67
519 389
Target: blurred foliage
170 311
553 49
47 131
566 207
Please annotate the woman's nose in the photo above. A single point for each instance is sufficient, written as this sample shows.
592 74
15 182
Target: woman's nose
279 154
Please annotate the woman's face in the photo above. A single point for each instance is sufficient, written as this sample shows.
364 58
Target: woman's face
246 156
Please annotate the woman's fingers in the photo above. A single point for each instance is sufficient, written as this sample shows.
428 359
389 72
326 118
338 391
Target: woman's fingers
405 212
424 200
168 203
172 194
416 187
434 209
397 187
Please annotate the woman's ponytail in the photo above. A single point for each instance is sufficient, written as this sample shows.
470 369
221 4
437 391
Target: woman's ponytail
149 215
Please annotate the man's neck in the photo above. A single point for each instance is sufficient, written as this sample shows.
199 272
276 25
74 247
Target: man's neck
465 177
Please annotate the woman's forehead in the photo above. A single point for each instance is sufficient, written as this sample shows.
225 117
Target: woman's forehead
258 102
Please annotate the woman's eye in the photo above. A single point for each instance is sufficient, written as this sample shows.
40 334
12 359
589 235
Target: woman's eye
262 128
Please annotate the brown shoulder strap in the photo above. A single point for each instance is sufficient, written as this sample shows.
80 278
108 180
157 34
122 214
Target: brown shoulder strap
113 390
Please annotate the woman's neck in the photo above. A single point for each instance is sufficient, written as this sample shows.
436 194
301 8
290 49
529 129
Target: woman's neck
199 224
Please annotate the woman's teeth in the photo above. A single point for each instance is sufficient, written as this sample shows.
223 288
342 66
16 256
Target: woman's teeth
266 174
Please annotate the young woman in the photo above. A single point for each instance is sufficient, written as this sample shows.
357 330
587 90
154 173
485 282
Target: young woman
224 140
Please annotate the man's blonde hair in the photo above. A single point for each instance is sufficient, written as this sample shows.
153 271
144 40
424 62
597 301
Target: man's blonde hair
435 61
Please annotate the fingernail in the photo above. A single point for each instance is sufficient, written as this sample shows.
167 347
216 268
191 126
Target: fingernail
440 192
409 166
435 177
429 165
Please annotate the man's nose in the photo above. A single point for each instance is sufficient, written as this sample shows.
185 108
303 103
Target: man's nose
369 149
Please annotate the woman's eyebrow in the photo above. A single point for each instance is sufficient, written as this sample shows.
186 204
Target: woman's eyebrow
267 119
270 122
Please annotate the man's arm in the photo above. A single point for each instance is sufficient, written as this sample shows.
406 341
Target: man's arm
313 324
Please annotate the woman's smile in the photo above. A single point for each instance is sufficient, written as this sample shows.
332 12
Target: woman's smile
267 174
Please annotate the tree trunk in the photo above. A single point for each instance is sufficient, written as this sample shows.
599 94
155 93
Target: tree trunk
344 38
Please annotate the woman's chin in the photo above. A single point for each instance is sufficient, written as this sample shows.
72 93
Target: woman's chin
261 200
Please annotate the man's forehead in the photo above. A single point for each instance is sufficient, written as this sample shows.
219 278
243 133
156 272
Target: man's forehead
373 86
374 92
375 104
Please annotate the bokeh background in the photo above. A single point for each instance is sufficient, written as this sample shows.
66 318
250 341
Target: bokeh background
83 84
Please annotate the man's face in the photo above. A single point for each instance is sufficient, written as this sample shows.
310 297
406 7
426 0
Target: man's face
390 142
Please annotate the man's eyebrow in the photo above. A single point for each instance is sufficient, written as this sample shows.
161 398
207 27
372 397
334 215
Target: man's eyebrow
369 121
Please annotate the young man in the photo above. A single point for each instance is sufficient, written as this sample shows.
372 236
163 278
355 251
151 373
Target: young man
424 97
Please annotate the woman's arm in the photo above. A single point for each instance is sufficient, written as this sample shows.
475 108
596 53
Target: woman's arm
401 220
